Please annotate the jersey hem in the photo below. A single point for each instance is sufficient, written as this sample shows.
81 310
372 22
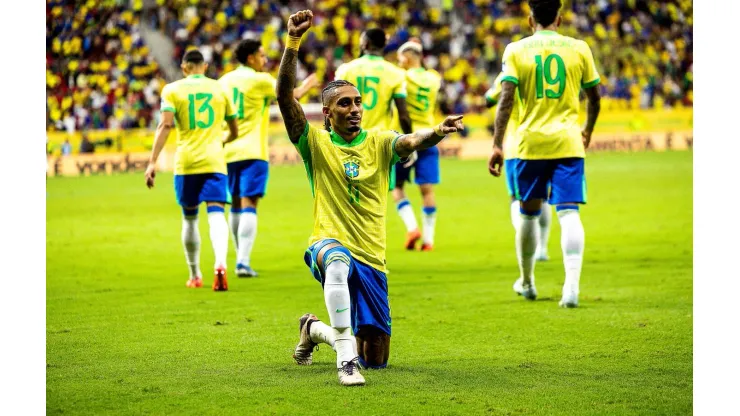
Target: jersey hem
510 79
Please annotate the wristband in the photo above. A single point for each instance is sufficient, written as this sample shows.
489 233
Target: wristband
438 131
293 43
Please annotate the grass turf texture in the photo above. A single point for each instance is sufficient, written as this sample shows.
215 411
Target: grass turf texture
124 335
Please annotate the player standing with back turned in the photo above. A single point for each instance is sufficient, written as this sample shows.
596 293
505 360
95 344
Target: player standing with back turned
549 69
198 104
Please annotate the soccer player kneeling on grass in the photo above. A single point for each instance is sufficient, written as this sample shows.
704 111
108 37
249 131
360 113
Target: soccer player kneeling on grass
198 104
349 171
549 70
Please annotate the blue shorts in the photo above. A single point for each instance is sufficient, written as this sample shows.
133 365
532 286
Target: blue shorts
248 178
368 290
426 168
566 177
191 190
509 171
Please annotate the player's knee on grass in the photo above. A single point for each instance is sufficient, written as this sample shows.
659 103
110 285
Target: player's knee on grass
373 347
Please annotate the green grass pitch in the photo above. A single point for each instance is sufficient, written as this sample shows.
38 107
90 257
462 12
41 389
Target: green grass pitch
124 335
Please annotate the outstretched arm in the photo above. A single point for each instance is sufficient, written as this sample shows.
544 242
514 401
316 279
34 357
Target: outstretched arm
426 138
293 116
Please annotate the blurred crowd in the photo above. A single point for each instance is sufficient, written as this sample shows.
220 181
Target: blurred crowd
99 69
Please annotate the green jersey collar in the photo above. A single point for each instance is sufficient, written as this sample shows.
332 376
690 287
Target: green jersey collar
373 57
245 68
339 141
196 76
546 32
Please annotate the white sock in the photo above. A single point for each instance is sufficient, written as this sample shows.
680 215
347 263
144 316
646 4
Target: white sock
407 215
219 231
234 228
515 216
526 241
429 219
572 241
191 243
247 235
336 296
544 229
322 333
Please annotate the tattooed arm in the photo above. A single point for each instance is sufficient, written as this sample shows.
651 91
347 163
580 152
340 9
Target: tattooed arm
293 116
593 107
426 138
503 114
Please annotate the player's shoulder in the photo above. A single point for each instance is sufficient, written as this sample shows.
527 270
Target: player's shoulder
382 134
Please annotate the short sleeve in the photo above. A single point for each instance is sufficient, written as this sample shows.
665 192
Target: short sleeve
590 73
400 89
303 143
388 142
493 93
168 103
230 113
341 72
508 66
268 86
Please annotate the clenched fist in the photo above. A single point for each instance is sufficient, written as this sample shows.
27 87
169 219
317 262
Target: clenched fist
299 23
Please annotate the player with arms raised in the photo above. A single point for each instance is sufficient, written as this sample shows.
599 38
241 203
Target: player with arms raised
349 170
422 86
247 157
198 104
549 69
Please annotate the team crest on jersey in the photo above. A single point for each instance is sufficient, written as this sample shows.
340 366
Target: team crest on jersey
352 169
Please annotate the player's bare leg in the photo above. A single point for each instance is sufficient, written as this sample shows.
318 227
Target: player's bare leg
219 233
406 212
526 246
191 244
572 242
246 234
429 216
234 217
373 346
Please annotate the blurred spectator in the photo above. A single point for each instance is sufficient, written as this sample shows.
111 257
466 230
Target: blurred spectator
86 146
66 148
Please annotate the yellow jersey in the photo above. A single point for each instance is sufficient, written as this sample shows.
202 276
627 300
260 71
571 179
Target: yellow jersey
379 82
422 87
549 70
350 183
200 105
251 93
511 143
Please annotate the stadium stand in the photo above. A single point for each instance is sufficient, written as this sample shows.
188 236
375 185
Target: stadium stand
100 73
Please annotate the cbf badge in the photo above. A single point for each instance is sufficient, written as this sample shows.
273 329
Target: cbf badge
352 169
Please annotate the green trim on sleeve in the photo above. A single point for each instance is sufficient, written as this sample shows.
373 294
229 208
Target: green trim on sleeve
395 157
170 109
399 95
510 79
231 117
491 101
592 83
305 151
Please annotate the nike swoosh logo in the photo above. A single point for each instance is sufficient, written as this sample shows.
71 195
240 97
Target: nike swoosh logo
341 310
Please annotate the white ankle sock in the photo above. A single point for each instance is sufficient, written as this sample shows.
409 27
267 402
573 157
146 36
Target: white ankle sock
544 229
407 215
322 333
191 244
247 235
572 242
429 219
219 232
526 241
234 218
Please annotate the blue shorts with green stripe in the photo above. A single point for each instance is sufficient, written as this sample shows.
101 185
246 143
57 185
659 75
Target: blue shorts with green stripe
368 287
559 180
